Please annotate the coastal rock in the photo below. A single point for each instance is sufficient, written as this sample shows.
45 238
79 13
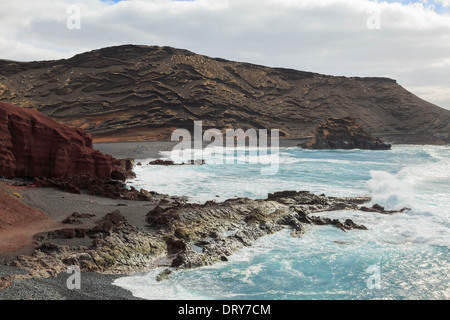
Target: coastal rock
34 145
183 236
116 246
203 234
75 218
127 164
163 275
197 162
380 209
293 197
109 223
71 220
82 215
108 188
344 226
343 133
160 162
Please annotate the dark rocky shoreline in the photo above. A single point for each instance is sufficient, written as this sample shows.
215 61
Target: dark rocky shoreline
110 237
177 237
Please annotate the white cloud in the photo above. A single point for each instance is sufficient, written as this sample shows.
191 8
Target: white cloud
327 36
444 3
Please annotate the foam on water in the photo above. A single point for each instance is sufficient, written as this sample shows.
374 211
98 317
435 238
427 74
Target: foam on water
389 190
145 286
297 170
411 248
324 264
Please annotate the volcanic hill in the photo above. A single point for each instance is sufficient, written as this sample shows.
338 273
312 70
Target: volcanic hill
137 93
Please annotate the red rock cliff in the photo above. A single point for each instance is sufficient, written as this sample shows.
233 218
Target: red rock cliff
34 145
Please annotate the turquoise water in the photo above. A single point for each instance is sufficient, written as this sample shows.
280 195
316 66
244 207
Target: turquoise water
401 256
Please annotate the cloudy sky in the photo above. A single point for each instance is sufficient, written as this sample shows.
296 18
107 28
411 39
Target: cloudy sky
405 40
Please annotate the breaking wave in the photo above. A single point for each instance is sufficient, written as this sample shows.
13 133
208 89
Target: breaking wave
411 248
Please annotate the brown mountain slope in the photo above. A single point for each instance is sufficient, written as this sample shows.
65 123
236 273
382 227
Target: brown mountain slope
139 92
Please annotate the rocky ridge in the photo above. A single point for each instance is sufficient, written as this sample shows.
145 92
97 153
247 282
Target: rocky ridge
179 237
142 93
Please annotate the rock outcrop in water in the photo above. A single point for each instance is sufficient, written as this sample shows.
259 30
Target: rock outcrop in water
108 188
343 133
180 237
380 209
34 145
201 235
143 93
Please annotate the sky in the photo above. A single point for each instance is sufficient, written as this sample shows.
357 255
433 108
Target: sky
405 40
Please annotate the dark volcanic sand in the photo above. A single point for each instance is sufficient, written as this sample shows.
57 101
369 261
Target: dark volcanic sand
58 205
94 286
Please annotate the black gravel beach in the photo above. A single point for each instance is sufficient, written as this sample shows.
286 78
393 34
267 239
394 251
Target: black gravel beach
58 205
94 286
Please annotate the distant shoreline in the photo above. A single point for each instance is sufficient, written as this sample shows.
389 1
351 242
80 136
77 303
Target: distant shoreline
152 149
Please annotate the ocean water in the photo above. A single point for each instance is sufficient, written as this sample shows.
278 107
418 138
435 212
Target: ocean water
400 256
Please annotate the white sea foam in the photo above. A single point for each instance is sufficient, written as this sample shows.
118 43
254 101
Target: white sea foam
425 188
145 286
242 179
412 247
389 190
434 172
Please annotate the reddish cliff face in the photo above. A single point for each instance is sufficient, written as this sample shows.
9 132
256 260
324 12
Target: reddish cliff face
34 145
